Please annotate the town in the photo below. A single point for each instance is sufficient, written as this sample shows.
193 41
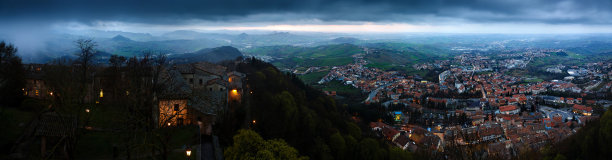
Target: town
307 79
475 102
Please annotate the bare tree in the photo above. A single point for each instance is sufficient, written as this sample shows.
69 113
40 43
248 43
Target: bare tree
141 83
86 55
87 51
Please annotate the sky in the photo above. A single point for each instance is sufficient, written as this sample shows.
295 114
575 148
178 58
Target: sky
342 16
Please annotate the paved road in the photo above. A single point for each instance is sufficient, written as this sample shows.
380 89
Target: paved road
551 112
375 91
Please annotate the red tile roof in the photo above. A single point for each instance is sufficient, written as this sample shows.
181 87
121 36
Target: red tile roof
507 108
583 108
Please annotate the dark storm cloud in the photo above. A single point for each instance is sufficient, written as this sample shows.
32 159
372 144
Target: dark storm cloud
182 11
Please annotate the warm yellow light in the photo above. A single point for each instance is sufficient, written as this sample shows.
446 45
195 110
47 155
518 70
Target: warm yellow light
229 79
235 92
101 93
188 152
37 92
254 121
127 93
87 110
51 93
169 123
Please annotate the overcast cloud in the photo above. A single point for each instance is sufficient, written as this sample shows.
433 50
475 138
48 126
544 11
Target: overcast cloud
584 15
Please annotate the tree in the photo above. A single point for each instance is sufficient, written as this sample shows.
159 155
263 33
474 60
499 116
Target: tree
138 105
117 61
354 130
86 55
605 132
250 145
369 149
337 145
12 75
396 153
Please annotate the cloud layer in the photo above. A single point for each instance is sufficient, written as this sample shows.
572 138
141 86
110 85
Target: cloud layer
595 12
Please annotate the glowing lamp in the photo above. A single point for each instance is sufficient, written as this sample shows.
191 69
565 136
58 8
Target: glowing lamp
188 152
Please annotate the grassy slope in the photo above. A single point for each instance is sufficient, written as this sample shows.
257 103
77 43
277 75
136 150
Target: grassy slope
328 55
339 87
312 78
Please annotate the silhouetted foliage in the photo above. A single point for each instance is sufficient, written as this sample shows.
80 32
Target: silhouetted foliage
284 107
250 145
12 76
590 142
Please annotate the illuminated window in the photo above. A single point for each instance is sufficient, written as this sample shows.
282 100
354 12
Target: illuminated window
101 93
36 93
229 79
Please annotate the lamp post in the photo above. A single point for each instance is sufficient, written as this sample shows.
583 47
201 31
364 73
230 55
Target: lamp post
200 124
188 152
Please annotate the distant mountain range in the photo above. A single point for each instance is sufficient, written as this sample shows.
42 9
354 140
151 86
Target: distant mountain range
276 44
120 38
214 55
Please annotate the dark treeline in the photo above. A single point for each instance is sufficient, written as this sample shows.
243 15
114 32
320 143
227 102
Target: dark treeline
590 142
12 75
283 107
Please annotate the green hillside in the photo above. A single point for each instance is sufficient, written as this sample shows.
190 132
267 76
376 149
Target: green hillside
327 55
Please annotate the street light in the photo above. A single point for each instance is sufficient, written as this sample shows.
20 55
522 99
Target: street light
188 152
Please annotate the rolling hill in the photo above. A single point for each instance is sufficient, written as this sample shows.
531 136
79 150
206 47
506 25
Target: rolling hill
209 54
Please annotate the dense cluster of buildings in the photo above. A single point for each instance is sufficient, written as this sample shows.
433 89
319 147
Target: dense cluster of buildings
504 114
381 85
